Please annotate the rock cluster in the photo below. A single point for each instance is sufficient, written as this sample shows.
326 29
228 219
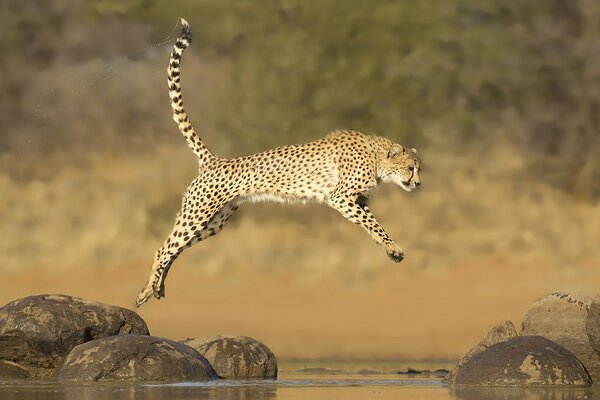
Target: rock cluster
72 339
558 345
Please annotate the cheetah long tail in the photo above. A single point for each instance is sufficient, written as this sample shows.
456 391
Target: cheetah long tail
179 114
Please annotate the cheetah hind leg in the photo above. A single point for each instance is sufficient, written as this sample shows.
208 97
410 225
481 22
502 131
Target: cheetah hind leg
214 226
158 272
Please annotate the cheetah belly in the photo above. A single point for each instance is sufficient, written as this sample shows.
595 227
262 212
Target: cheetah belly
295 193
269 197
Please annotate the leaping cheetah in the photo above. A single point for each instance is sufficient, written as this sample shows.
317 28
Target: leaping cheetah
339 170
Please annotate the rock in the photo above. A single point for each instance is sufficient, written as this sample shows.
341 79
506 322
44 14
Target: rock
592 325
424 372
38 331
498 334
237 356
561 317
10 371
524 361
134 358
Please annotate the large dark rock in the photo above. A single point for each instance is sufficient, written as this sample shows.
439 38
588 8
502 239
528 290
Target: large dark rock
498 334
524 361
561 317
134 358
593 325
237 356
38 331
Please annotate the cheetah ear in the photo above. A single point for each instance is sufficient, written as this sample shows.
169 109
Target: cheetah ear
395 150
414 151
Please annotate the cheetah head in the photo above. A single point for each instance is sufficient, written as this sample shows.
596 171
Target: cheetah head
402 167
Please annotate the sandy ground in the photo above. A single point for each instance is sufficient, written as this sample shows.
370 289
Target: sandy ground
399 314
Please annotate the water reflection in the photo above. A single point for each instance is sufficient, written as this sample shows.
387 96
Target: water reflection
383 387
127 392
515 393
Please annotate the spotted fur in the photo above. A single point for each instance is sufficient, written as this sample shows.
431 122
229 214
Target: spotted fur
339 170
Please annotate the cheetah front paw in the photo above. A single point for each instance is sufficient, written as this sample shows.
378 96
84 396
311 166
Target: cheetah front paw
396 254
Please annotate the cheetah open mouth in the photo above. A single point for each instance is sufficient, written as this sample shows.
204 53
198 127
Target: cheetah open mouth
405 186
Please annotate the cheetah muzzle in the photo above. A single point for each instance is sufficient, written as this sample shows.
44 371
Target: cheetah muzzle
339 170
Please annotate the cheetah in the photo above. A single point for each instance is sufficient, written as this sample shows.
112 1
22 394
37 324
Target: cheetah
339 170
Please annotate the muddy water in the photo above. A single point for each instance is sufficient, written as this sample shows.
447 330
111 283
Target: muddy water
316 383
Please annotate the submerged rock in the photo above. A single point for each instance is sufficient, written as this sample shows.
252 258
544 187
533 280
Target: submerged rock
524 361
561 317
237 356
36 332
134 358
498 334
424 372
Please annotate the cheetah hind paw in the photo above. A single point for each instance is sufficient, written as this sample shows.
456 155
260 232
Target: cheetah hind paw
144 296
157 289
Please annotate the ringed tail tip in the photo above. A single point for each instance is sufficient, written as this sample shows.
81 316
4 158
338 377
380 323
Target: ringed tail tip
184 23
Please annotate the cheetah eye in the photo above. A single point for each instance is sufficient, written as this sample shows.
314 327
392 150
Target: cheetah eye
411 168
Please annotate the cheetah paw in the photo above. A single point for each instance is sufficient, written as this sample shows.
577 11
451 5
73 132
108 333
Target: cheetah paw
143 297
396 254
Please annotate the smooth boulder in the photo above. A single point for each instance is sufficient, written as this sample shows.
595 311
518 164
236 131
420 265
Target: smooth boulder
524 361
592 325
237 356
498 334
37 332
561 317
134 358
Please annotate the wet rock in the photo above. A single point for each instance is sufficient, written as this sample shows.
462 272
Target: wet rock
561 317
10 371
498 334
524 361
237 356
38 331
592 325
134 358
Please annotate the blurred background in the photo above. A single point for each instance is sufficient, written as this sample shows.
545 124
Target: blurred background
502 99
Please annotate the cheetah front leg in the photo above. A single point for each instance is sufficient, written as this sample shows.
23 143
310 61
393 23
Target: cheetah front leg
185 234
355 210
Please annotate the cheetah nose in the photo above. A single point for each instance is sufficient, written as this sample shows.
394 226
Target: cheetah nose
417 184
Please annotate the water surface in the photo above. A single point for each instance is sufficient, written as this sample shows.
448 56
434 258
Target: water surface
306 382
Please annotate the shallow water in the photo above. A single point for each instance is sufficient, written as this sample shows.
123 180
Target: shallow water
323 382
